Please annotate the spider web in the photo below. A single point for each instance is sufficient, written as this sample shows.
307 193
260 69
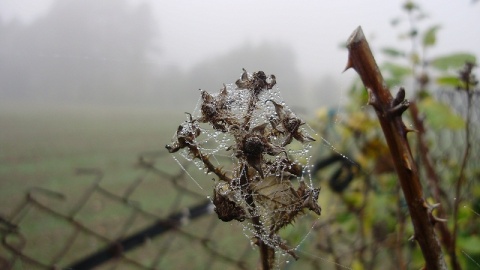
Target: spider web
275 194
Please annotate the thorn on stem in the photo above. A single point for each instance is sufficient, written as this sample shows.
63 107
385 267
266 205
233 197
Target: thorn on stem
372 99
437 219
430 208
406 161
411 130
348 65
256 241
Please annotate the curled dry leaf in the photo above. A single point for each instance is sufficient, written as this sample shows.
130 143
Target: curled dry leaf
287 123
282 201
186 134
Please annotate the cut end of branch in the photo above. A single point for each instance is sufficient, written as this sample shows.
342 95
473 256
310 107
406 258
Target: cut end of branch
356 36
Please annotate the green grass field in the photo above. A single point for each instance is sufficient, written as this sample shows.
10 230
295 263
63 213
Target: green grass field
43 147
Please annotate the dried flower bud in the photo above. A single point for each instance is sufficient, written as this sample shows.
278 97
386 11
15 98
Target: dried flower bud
186 134
225 206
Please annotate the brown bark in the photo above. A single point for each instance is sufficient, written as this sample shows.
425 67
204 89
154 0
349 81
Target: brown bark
389 111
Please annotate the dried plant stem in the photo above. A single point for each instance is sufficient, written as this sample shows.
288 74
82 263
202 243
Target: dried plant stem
267 253
210 167
330 247
401 217
461 177
434 184
389 111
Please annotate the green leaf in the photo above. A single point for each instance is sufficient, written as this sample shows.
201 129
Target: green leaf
430 36
449 81
452 61
415 58
393 82
409 6
393 52
440 115
470 244
344 217
395 70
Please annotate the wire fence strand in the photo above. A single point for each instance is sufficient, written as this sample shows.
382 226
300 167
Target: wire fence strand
135 238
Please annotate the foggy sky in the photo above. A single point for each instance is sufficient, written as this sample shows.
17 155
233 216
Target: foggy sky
199 29
195 33
194 30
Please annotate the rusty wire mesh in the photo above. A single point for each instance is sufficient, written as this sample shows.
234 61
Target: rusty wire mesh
119 228
91 236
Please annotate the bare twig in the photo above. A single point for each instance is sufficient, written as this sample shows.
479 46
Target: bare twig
118 248
400 234
469 80
434 183
389 111
267 253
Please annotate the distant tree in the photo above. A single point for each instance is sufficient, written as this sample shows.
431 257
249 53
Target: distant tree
272 58
79 51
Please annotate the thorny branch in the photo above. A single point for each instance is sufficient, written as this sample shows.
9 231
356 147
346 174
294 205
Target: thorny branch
434 184
389 111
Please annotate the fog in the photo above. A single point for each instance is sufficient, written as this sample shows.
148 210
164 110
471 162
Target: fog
159 53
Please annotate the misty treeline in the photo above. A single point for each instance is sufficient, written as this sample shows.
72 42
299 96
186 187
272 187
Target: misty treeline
110 52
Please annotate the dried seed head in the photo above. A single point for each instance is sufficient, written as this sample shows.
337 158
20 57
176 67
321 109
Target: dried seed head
253 146
259 182
225 206
292 124
186 134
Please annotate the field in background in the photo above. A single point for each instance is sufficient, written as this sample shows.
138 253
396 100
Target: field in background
43 147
